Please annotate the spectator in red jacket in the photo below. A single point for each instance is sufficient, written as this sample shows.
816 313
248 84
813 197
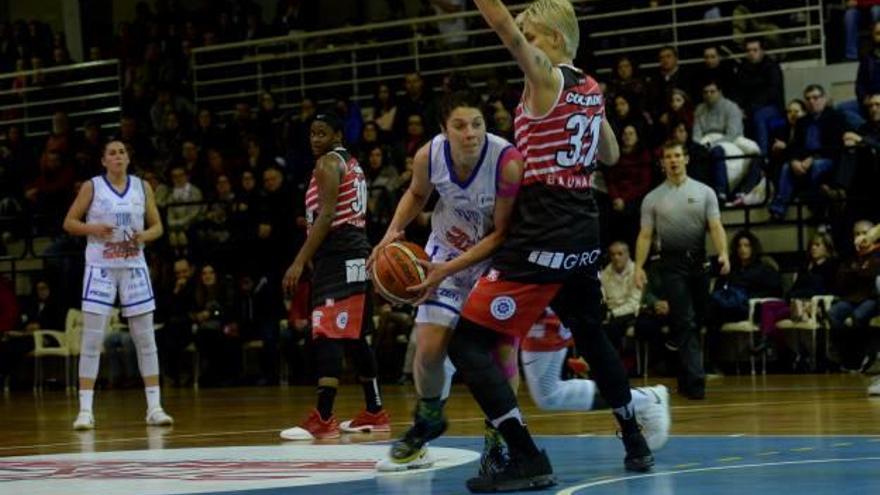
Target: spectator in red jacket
628 182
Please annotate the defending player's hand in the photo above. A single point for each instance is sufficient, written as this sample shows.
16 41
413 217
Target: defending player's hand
434 274
388 239
291 277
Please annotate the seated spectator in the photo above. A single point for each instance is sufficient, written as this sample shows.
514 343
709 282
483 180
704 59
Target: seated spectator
414 139
501 122
856 289
717 115
783 137
384 107
857 173
371 136
207 133
867 79
653 316
177 301
167 142
415 101
383 182
760 89
180 218
10 347
624 113
622 297
217 334
214 231
139 145
43 310
257 159
668 76
699 163
353 121
169 102
678 109
752 275
813 154
625 79
628 182
714 68
88 150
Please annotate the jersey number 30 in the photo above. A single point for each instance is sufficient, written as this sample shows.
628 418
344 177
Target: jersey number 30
359 205
578 125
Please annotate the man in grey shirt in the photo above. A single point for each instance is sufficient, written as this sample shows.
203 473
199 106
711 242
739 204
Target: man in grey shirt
717 114
679 211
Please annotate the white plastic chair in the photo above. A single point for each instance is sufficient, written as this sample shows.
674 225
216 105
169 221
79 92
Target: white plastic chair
751 329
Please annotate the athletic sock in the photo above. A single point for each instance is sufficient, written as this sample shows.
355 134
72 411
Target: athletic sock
154 397
326 397
371 395
85 399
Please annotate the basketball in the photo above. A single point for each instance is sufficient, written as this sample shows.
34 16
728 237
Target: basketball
395 269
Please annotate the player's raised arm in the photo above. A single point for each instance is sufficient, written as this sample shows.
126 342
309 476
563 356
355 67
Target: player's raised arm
535 64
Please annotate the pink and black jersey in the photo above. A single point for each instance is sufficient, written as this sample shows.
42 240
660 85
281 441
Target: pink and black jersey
555 230
351 205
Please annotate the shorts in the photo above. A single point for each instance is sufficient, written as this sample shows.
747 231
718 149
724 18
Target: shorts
349 318
133 284
511 307
443 308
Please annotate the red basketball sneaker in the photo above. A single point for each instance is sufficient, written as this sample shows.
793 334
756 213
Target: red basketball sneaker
313 428
367 422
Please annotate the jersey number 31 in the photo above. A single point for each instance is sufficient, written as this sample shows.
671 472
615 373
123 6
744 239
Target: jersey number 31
574 153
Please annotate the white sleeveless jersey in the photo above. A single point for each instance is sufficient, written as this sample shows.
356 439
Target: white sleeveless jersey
125 211
464 213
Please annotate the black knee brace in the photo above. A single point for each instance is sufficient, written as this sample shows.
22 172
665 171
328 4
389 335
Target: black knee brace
470 350
327 357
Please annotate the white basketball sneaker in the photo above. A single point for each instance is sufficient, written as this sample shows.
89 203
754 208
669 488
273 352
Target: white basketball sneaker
874 388
654 416
421 460
85 420
158 417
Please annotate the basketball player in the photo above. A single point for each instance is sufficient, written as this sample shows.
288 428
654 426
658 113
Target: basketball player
336 246
476 176
468 224
117 208
550 253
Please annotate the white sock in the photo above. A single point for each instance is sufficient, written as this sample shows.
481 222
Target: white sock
86 397
154 398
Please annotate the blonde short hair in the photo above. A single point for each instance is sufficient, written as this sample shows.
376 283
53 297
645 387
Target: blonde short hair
555 15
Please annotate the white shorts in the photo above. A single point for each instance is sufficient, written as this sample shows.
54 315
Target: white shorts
444 306
135 290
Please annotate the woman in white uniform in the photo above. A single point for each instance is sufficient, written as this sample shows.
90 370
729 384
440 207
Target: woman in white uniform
120 216
477 176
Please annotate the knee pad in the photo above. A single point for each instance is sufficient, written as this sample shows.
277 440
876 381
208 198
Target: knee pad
144 337
328 357
90 345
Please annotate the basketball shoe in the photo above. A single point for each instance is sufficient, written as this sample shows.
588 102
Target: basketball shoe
411 451
516 473
158 417
654 417
367 422
85 420
313 428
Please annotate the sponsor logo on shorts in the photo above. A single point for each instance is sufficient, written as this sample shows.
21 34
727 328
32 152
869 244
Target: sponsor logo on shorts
316 318
493 275
502 308
449 294
342 320
355 270
564 261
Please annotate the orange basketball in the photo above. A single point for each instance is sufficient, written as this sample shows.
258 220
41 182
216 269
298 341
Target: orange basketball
395 269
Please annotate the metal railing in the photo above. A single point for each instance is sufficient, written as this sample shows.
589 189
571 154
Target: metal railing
86 91
352 61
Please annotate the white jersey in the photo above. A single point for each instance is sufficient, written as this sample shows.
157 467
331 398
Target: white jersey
464 213
462 217
125 211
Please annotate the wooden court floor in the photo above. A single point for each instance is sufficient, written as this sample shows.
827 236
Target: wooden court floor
811 405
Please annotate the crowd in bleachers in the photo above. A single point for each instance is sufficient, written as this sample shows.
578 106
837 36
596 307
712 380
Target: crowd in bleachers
231 190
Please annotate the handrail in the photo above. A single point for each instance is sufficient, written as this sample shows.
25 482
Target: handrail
59 68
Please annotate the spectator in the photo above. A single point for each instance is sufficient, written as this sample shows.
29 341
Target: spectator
714 68
384 107
622 297
269 118
217 335
628 182
383 182
452 30
759 86
783 137
349 113
88 150
668 76
207 134
626 113
181 218
751 276
178 332
856 289
415 101
168 142
625 80
12 349
139 145
50 193
699 164
815 151
857 173
256 160
258 309
241 125
167 102
717 115
415 138
678 109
